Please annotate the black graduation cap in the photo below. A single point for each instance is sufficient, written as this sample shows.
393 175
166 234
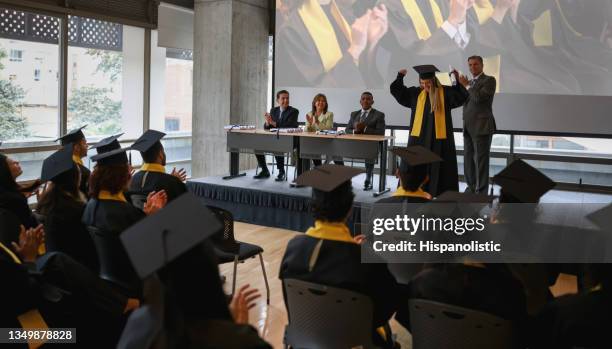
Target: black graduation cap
160 238
327 177
57 163
427 71
117 156
147 140
416 155
107 144
523 182
73 136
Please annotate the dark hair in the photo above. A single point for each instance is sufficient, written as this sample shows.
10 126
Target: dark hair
151 154
7 182
412 177
65 188
368 93
315 99
332 206
476 57
281 92
112 177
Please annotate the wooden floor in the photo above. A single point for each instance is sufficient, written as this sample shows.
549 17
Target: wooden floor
270 320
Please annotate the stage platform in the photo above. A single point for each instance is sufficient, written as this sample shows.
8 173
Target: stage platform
274 204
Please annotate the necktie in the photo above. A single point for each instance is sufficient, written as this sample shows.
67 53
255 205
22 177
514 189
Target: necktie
363 116
472 82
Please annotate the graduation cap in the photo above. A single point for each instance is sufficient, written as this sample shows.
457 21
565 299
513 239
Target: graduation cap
523 182
327 177
117 156
160 238
107 144
73 136
57 163
427 71
147 140
416 155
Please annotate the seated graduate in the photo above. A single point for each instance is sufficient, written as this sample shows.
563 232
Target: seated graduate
412 174
320 119
79 150
13 197
327 254
152 175
490 288
62 204
188 308
110 212
55 291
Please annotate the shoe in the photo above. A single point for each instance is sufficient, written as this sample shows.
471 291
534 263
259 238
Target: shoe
367 186
280 177
262 175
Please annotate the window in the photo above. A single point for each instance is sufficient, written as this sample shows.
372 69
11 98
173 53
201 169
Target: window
105 70
16 56
172 124
30 105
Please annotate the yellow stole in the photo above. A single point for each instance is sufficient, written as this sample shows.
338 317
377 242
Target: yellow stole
330 231
153 168
322 33
31 319
484 10
107 195
339 18
418 20
439 115
419 193
77 160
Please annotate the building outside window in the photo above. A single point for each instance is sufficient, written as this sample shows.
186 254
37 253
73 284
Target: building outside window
16 55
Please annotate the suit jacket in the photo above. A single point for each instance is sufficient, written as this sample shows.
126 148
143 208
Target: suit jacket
478 116
375 122
286 119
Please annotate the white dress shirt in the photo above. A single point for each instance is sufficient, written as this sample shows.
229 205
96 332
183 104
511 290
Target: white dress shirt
458 34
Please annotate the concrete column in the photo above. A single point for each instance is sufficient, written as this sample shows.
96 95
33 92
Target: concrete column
230 77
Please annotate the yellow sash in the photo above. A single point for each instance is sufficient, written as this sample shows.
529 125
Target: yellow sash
418 20
153 168
339 18
107 195
440 115
32 320
330 231
322 33
484 10
437 13
419 193
77 160
10 253
542 30
492 66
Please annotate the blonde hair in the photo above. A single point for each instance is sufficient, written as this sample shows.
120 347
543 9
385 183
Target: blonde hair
433 94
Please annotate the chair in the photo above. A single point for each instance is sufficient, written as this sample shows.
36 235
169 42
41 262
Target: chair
325 317
115 265
229 250
438 325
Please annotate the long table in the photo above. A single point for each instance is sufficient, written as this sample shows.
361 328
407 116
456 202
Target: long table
309 145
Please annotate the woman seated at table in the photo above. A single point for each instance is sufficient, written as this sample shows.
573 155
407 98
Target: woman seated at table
320 119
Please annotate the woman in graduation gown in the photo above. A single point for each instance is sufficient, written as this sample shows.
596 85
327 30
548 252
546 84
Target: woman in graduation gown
431 123
13 197
109 211
62 204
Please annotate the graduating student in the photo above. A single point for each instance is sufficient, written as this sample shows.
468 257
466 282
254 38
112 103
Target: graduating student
368 121
79 151
62 204
188 308
328 254
283 116
412 174
152 175
107 144
110 212
431 123
13 197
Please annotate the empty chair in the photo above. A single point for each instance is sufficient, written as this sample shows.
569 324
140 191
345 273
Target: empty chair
228 249
437 325
325 317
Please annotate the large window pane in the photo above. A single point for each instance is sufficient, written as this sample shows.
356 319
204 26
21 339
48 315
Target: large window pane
29 77
105 77
568 146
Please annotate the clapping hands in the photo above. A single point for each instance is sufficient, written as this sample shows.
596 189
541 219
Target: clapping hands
155 202
180 174
29 241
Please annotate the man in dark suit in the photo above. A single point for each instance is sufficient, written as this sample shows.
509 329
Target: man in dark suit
367 121
283 116
478 125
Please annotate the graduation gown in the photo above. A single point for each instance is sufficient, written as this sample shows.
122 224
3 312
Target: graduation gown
84 185
339 265
443 176
148 181
15 202
64 232
112 217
